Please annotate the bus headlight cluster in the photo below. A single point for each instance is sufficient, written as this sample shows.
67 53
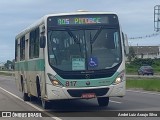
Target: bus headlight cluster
53 80
120 78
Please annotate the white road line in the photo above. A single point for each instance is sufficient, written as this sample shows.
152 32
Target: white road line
11 94
39 109
115 101
143 92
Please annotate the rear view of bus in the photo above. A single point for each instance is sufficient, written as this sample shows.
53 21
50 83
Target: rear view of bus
83 56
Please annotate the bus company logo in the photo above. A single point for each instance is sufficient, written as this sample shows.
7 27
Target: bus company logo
88 83
6 114
87 76
21 114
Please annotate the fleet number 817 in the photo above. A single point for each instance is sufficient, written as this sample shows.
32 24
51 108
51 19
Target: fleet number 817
71 83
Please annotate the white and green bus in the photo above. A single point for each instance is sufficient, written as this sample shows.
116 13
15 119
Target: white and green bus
77 55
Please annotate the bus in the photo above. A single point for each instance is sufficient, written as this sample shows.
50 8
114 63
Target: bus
79 55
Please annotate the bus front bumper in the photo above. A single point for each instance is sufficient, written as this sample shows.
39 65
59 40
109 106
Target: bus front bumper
55 93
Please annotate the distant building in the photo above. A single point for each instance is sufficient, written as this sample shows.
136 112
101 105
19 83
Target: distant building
2 67
147 51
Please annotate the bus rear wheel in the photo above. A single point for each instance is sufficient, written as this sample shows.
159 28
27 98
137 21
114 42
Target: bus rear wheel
45 104
38 88
103 101
25 95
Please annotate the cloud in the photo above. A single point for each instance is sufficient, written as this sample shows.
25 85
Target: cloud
136 16
7 52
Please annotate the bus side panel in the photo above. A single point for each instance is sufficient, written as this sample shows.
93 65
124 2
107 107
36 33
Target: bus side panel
35 72
17 77
35 65
18 67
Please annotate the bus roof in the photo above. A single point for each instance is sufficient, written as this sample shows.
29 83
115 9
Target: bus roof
79 12
44 18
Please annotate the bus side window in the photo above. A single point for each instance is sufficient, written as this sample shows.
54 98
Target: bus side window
36 53
31 45
16 50
34 44
22 48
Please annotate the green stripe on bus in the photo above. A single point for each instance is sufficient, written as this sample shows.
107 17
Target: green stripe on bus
32 65
93 82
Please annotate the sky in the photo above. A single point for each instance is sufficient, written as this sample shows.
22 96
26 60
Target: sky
136 18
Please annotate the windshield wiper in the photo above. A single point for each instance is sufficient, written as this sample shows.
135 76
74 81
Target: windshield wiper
94 38
90 36
96 35
73 36
76 40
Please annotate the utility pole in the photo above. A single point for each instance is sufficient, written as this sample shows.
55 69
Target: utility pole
157 18
137 50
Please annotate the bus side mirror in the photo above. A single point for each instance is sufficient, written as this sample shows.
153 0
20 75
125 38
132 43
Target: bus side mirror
125 44
42 42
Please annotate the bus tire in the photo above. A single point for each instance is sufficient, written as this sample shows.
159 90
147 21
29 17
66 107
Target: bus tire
45 104
38 88
25 95
33 98
103 101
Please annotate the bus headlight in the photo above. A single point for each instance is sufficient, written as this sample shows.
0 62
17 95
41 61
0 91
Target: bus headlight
53 80
120 78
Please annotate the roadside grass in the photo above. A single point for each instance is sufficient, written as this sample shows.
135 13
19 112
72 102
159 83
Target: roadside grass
132 69
6 73
149 84
133 66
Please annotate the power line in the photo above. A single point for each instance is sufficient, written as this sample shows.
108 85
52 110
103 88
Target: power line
156 25
144 37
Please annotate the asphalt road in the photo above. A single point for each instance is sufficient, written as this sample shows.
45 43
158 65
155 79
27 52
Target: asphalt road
10 100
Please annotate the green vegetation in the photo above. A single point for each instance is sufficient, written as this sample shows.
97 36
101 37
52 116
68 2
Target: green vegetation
6 73
133 66
131 54
149 84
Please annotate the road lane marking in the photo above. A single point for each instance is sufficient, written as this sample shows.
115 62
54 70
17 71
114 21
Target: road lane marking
39 109
115 101
6 77
11 93
144 92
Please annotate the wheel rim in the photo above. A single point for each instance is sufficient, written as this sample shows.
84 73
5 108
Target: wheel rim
43 103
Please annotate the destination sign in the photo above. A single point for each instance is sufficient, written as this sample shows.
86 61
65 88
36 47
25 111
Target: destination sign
82 20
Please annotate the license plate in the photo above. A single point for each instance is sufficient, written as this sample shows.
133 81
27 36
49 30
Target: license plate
88 95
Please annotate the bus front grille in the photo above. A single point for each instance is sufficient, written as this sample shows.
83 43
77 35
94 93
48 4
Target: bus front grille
79 92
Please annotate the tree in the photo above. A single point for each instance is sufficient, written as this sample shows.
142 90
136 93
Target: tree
131 54
13 64
8 64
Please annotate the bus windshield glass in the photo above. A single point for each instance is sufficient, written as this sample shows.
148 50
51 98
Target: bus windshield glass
84 48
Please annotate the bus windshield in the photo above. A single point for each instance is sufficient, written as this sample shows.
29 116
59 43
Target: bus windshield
75 49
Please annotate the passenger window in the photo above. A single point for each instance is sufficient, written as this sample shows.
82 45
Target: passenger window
34 44
22 48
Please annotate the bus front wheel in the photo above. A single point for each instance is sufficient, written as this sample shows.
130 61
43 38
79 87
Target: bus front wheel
103 101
